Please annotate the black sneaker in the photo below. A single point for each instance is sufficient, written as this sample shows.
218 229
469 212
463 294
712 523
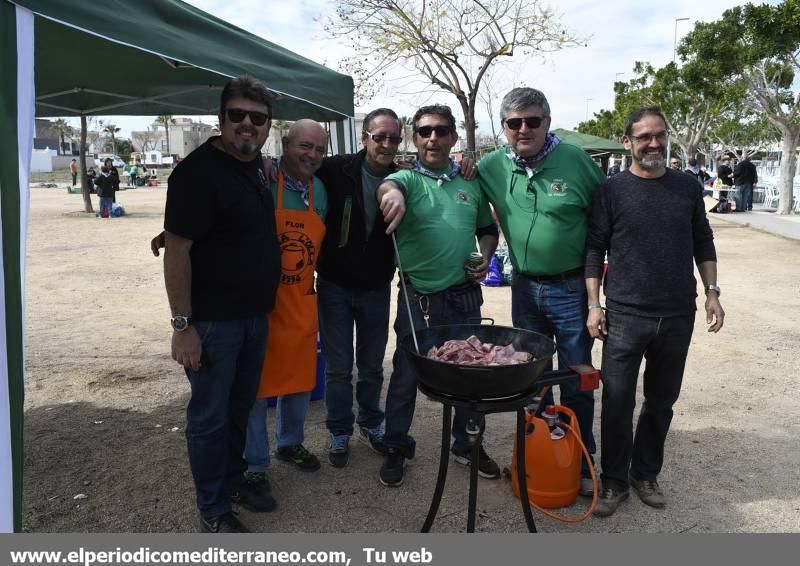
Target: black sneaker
372 437
391 474
608 501
299 456
339 451
487 468
259 479
253 494
225 523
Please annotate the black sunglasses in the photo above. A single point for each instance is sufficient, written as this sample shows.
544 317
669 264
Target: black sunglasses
532 122
441 131
236 115
380 138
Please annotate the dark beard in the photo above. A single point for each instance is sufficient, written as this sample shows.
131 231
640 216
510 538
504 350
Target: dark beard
247 148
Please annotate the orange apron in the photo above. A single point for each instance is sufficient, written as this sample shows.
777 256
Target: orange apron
290 364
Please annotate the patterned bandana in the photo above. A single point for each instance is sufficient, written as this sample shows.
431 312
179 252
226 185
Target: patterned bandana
551 141
442 178
294 185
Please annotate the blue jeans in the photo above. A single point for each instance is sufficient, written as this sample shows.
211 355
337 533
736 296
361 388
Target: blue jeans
402 393
106 203
223 391
664 343
558 309
290 416
744 196
340 309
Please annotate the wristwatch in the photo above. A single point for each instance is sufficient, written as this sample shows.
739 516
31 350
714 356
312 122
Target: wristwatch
713 287
180 322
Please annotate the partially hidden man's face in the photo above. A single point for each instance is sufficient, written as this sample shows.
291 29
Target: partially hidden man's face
526 140
434 137
305 149
382 141
245 137
648 142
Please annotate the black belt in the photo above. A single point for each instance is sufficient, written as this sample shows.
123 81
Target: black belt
557 277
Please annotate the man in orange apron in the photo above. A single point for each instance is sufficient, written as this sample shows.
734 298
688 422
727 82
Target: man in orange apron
290 364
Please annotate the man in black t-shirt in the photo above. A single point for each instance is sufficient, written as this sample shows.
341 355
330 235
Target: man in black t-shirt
221 269
652 223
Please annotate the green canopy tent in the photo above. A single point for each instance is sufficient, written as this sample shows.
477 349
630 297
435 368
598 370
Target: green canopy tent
116 57
599 148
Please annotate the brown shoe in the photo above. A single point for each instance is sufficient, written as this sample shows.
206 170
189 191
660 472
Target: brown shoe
649 492
608 501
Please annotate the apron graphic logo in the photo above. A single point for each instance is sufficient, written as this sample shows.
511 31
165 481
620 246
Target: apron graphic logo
297 257
462 197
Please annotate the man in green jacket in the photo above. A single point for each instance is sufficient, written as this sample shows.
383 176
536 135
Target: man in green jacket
541 190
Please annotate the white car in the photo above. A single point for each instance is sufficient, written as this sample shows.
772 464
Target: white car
115 160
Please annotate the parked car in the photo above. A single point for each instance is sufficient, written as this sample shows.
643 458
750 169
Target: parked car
115 160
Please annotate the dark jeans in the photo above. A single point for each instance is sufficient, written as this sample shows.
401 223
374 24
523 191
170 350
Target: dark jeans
216 418
664 343
74 179
744 197
402 393
558 309
340 309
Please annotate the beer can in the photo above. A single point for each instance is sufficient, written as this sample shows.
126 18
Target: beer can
473 261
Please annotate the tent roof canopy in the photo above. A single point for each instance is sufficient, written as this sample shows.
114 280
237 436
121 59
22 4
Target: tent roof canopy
155 57
591 144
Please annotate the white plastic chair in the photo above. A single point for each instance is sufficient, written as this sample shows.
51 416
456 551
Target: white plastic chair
771 196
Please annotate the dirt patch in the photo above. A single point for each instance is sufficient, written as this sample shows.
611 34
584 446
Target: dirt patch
104 409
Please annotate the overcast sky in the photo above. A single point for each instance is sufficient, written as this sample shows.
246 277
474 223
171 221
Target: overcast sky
575 81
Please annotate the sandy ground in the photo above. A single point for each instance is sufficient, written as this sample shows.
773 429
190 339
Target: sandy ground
104 409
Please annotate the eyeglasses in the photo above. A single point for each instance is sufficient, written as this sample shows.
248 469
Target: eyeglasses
237 115
441 131
645 138
532 122
675 162
380 138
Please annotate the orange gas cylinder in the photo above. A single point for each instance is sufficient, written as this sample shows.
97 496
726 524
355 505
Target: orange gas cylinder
552 466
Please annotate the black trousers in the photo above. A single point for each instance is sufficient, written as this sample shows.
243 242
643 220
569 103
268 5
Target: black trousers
663 343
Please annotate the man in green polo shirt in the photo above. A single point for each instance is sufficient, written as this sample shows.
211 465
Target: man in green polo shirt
541 190
437 214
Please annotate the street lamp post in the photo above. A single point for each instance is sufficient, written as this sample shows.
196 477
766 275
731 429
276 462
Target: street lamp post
675 39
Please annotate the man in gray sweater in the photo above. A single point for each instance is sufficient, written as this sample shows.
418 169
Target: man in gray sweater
652 223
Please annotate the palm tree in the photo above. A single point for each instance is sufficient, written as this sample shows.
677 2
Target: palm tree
463 125
111 130
64 129
165 121
281 126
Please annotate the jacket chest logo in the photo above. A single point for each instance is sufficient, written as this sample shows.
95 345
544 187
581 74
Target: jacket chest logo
462 197
298 256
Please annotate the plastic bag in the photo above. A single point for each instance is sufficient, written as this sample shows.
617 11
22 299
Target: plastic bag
494 277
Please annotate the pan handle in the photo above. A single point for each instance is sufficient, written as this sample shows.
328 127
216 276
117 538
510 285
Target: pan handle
480 319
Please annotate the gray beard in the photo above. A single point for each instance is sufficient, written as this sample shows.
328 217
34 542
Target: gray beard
651 164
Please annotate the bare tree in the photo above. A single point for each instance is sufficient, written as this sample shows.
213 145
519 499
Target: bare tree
488 94
63 129
451 43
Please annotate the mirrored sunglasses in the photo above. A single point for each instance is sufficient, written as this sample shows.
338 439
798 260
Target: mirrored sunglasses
237 115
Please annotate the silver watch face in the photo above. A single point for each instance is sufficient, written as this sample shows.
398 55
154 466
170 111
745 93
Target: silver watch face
180 323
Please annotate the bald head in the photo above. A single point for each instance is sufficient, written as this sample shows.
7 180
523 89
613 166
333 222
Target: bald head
303 149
